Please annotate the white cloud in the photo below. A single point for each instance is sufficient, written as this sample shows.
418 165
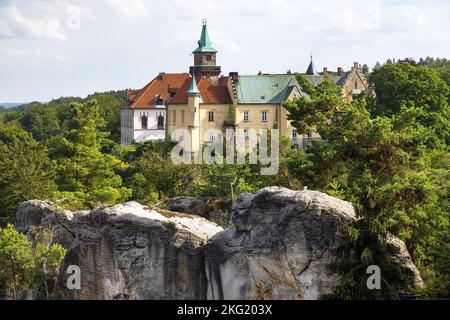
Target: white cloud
14 23
127 42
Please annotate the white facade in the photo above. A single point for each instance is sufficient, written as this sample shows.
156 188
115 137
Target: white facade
140 125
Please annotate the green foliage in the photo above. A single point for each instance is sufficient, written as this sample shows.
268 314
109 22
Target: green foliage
405 84
153 176
25 264
81 168
308 112
16 260
393 166
25 171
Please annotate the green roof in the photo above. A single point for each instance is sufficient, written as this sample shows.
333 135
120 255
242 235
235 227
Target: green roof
204 44
193 86
266 89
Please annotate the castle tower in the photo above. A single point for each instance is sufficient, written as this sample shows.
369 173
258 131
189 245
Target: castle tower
205 56
194 100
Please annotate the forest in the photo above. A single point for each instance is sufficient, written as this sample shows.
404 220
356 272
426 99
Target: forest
387 154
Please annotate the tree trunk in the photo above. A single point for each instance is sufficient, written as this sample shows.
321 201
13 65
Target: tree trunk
13 271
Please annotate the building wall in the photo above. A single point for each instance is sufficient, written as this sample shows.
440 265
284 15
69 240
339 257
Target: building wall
126 126
176 122
152 132
221 112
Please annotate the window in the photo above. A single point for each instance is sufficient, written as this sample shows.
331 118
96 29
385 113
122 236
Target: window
182 116
309 135
264 116
212 137
246 136
174 116
160 122
144 122
208 58
245 116
211 116
356 84
294 133
159 101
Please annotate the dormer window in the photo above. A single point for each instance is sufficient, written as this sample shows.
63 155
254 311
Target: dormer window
159 101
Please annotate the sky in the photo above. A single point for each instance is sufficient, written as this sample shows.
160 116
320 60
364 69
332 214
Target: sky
54 48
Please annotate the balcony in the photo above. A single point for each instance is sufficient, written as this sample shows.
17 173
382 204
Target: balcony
229 123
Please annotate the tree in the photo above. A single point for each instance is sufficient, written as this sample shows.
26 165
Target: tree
403 84
85 175
385 166
16 260
25 171
153 177
47 257
29 264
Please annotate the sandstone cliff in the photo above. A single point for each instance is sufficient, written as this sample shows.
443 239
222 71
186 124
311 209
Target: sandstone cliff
277 248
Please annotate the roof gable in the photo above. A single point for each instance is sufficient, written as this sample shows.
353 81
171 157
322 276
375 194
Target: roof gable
159 86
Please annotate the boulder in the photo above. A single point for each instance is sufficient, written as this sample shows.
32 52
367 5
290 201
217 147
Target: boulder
279 247
127 251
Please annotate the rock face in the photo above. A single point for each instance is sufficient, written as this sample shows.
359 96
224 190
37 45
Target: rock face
127 251
277 248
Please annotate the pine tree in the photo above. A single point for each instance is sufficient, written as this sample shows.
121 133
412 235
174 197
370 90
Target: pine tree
85 175
25 171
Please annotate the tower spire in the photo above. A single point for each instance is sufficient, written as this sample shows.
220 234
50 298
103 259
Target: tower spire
311 69
193 90
205 56
204 44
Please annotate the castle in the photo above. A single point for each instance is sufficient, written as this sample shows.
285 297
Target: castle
206 103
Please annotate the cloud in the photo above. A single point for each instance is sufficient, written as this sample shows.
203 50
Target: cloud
15 23
127 42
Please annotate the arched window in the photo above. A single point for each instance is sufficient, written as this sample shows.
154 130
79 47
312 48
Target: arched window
356 84
160 122
144 122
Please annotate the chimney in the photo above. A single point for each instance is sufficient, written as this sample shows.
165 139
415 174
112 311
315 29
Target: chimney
162 76
340 71
325 70
234 76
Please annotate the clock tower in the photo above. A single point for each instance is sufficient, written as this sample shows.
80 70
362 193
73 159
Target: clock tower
205 56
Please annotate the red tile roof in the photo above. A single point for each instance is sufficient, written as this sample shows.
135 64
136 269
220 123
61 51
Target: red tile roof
161 85
213 90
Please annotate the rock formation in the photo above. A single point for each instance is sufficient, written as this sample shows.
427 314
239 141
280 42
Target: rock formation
277 248
127 251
